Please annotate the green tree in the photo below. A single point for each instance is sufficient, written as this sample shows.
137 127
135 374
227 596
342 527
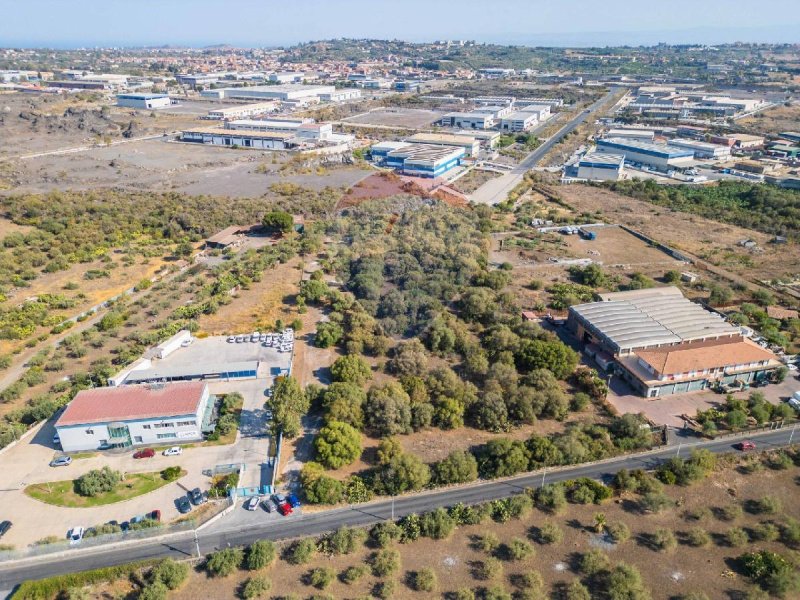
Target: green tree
404 473
260 555
337 444
97 481
288 404
388 410
278 221
351 368
256 587
223 563
171 573
460 466
300 552
344 402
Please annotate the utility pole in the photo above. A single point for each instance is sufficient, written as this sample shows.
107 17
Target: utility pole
197 543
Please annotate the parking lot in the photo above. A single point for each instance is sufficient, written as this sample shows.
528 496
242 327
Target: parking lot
27 462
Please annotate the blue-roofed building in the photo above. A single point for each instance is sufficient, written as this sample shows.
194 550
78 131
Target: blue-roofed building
661 156
597 166
419 160
144 101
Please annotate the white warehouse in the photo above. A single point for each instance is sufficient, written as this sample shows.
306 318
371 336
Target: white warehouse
519 121
144 101
135 415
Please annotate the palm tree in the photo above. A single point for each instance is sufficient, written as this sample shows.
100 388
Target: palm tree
600 522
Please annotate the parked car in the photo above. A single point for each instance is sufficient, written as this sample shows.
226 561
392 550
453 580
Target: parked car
154 515
75 535
184 506
293 500
138 519
278 499
174 451
262 337
252 503
196 496
254 337
285 509
267 505
231 339
746 445
125 526
56 439
61 461
144 453
239 339
4 527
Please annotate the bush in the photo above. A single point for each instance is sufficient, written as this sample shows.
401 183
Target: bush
260 554
424 580
730 512
344 540
321 577
768 505
437 525
575 590
664 540
766 532
384 589
385 562
593 562
625 581
172 574
351 369
224 562
618 531
352 574
171 473
736 537
459 467
549 533
300 552
385 533
464 594
154 591
551 498
255 587
489 569
655 502
337 444
698 537
488 542
518 549
97 481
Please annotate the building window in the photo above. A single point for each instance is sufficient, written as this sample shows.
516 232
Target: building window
165 436
163 425
90 432
137 439
186 423
145 426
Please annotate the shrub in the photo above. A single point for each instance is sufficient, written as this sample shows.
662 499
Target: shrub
171 473
488 542
551 498
575 590
172 574
766 532
731 512
618 531
518 549
698 537
437 524
790 532
321 577
768 505
352 574
337 444
459 467
424 580
736 537
496 593
655 502
154 591
260 554
384 589
549 533
256 587
385 562
489 569
300 552
625 581
464 594
384 533
224 562
593 562
664 540
97 481
344 540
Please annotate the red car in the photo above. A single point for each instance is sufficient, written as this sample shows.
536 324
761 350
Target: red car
144 453
285 509
746 445
154 515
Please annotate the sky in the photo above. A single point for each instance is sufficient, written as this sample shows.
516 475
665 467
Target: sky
267 23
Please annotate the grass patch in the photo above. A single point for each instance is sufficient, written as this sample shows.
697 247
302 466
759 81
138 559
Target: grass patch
62 493
80 455
234 407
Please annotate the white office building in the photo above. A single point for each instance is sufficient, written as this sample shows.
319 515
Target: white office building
144 101
135 415
519 121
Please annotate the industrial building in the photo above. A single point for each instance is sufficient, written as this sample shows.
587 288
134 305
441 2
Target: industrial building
420 160
287 77
488 139
519 121
271 92
262 140
468 120
470 145
601 167
284 125
243 111
791 136
703 150
632 133
662 343
144 101
342 95
223 371
123 417
661 156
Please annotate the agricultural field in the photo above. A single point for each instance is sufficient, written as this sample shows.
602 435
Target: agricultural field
775 120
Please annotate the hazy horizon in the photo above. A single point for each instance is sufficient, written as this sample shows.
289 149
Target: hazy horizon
248 23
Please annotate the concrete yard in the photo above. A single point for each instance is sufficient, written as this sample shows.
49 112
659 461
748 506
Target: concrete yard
411 118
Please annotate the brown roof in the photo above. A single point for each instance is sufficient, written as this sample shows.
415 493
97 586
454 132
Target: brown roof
698 356
778 312
128 402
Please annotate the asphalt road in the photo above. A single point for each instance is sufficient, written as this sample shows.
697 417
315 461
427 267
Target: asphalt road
496 190
217 536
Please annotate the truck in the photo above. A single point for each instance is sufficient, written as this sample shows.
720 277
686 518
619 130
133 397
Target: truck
588 234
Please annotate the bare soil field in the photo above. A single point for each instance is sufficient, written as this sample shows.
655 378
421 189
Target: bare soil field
713 241
710 569
160 165
411 118
775 120
474 179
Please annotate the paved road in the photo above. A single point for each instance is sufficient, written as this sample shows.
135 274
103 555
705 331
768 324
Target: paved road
220 535
496 190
